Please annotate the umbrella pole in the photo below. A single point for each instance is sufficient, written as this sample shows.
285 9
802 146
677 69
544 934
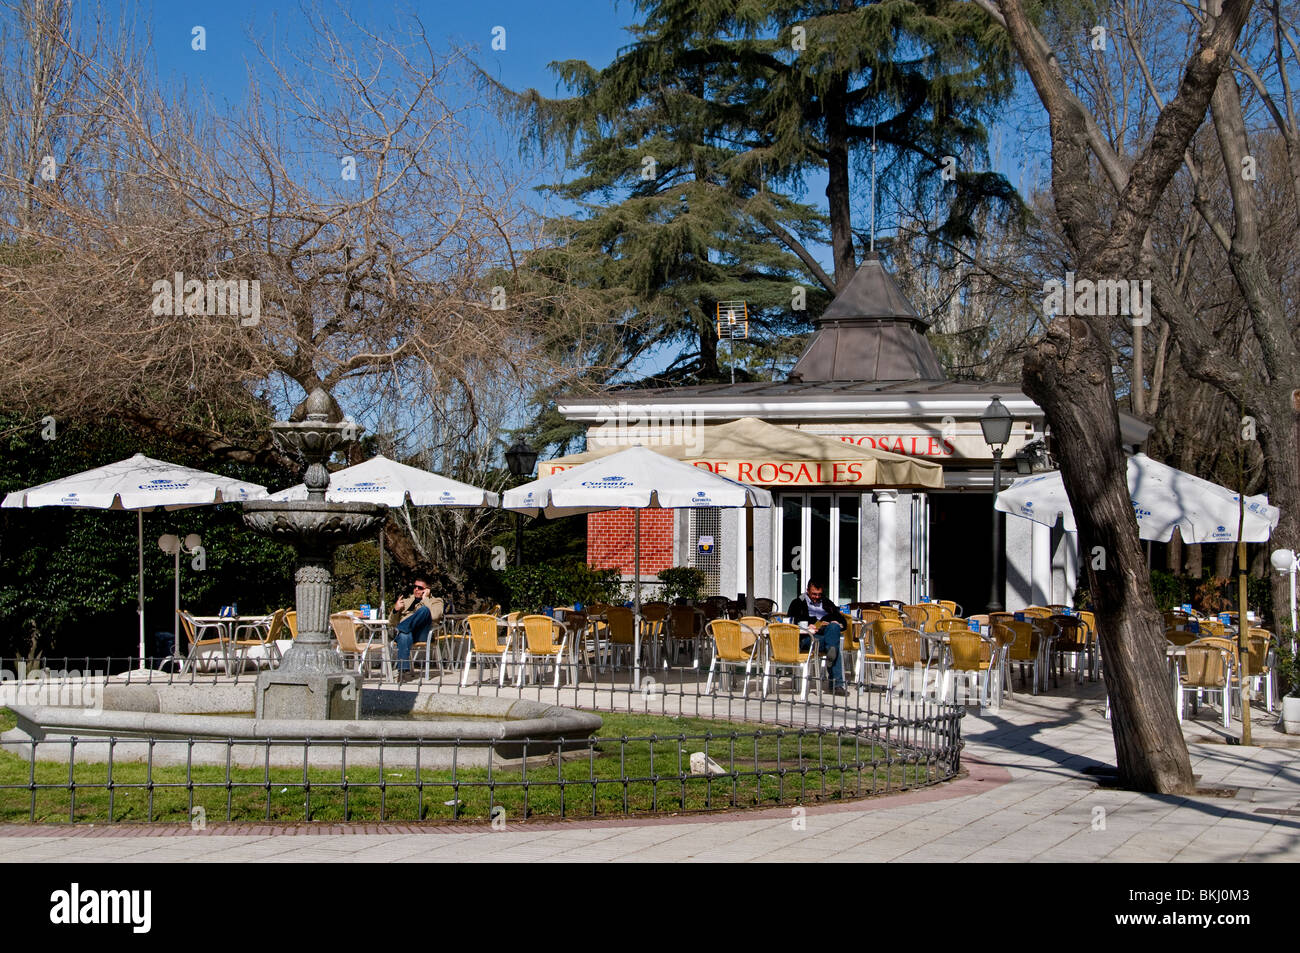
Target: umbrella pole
176 614
636 589
383 595
749 560
139 526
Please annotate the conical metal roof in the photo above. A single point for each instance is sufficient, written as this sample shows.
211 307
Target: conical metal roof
870 332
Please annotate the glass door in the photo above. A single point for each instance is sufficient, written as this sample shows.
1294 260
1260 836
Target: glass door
820 538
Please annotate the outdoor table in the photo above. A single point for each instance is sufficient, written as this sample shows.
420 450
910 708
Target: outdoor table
226 626
453 626
378 629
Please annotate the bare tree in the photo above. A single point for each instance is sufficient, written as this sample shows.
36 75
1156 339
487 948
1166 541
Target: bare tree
1069 374
361 193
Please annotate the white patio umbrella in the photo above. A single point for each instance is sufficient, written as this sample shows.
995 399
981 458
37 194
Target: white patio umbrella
1163 498
637 478
381 480
139 483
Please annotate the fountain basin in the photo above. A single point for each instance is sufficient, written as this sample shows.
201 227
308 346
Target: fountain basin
213 724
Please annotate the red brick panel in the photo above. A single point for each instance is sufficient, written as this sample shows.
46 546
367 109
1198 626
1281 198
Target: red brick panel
610 536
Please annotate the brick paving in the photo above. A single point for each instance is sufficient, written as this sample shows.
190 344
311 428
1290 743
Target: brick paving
1031 792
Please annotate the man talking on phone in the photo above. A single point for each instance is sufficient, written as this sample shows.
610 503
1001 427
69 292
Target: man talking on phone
413 618
823 621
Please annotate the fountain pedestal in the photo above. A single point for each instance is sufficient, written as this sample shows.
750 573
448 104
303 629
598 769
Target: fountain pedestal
311 681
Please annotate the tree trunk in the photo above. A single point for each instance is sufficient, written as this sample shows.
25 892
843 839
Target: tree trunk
1193 566
1225 557
1280 443
708 344
1174 553
1068 374
837 182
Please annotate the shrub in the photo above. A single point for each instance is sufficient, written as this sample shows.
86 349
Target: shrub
559 582
682 582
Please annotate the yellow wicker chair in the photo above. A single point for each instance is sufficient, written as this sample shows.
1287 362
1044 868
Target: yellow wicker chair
1205 667
729 651
783 652
484 648
544 641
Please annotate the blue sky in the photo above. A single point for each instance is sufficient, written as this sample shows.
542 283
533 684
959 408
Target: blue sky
536 33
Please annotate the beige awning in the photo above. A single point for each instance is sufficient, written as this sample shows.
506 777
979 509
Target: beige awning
753 451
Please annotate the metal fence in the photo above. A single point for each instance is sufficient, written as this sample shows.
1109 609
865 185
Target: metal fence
749 751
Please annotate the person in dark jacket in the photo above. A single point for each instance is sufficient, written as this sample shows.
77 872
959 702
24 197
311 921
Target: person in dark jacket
826 624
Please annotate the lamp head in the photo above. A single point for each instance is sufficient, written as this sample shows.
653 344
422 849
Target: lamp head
521 458
169 544
1283 560
996 423
193 542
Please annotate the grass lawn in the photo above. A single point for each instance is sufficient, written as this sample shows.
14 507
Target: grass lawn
634 769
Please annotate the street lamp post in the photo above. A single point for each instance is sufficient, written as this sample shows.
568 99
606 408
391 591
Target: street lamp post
520 458
1284 560
996 422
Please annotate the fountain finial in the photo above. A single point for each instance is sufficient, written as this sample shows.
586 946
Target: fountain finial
319 405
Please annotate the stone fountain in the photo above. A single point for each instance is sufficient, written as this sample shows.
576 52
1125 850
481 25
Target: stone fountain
311 681
311 694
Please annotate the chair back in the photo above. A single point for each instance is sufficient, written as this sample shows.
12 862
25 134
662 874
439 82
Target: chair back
1204 666
728 640
1024 644
765 607
1036 612
187 626
953 625
879 630
344 625
681 621
784 640
891 612
483 632
982 618
1089 620
904 646
870 616
655 611
1178 637
622 625
1001 618
539 631
1218 641
291 620
276 627
755 622
853 635
950 607
923 615
1213 627
1259 644
968 650
1069 632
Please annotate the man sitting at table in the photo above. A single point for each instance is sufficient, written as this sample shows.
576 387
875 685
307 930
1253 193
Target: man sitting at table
827 624
413 618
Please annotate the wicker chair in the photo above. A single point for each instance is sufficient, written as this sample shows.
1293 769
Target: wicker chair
783 652
1205 668
483 647
729 652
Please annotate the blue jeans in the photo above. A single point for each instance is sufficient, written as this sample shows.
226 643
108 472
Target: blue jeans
828 639
414 628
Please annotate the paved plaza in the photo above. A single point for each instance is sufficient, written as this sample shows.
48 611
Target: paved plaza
1034 788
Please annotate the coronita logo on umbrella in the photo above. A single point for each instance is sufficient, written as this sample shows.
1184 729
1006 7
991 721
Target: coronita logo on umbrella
162 485
608 483
360 488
